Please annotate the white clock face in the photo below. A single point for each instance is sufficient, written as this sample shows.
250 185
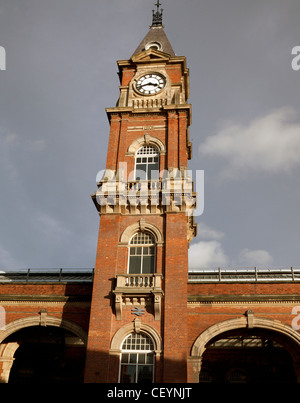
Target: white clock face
150 84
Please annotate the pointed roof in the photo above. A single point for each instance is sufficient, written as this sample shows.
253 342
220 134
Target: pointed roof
156 38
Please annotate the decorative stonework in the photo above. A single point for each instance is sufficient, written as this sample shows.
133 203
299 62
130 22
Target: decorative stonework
147 139
141 225
140 326
191 228
169 195
45 320
138 290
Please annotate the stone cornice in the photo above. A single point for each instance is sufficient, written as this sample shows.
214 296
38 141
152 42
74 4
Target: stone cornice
12 299
241 299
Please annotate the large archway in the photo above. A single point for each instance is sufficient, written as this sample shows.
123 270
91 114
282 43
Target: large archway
247 356
47 355
47 351
247 350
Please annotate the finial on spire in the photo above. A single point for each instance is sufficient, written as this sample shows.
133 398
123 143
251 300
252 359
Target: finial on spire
157 15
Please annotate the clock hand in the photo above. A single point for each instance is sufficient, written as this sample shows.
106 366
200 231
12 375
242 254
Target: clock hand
147 84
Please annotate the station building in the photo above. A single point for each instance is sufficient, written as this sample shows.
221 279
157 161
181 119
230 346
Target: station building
139 316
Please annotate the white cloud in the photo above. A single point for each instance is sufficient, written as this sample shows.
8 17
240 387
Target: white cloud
210 254
206 255
11 141
7 138
254 258
206 232
268 144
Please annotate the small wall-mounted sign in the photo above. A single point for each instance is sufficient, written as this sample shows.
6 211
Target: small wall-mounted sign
138 311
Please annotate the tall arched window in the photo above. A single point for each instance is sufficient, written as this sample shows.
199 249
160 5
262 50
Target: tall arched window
141 254
137 359
147 163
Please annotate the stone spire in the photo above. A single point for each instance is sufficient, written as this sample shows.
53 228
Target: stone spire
156 37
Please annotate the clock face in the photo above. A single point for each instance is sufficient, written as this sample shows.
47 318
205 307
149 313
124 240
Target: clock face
150 84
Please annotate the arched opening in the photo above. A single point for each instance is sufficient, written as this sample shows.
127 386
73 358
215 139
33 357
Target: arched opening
247 356
142 254
137 359
147 163
46 354
139 342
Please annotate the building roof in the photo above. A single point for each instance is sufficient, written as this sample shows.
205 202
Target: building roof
156 38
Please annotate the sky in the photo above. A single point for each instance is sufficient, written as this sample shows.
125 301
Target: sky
60 75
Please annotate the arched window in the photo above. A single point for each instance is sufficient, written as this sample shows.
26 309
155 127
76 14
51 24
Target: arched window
147 163
141 254
137 359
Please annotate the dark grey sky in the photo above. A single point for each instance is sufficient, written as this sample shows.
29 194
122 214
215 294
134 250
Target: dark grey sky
60 75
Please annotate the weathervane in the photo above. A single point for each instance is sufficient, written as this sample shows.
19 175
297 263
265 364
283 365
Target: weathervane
157 15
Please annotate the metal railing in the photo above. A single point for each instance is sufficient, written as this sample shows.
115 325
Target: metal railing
47 276
153 281
254 274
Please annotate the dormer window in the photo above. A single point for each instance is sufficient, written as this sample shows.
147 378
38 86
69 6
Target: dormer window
153 45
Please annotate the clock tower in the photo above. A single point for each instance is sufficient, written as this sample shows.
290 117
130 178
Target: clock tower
145 199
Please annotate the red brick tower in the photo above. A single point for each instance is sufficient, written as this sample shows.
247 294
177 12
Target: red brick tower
138 323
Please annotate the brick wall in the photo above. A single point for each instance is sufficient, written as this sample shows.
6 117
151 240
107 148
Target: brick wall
69 302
